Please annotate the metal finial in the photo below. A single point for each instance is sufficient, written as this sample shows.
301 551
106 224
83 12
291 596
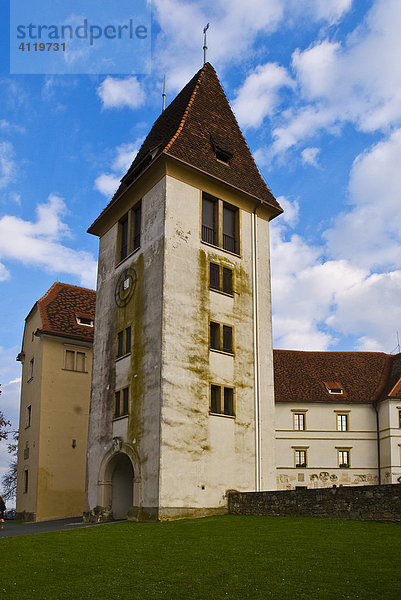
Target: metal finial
204 42
164 94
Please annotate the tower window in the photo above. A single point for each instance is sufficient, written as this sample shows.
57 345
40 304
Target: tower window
220 224
121 403
124 342
129 233
221 279
222 400
230 216
221 337
209 220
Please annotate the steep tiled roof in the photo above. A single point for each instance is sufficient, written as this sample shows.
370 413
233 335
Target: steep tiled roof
393 387
197 121
60 307
301 376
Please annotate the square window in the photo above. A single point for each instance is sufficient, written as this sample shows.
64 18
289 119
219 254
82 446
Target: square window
222 400
224 284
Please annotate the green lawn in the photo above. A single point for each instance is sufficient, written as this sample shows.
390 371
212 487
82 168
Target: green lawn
219 557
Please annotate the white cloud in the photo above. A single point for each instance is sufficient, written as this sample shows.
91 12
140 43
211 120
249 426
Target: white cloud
358 81
351 284
120 93
8 167
309 156
234 33
260 90
107 183
320 10
39 243
369 233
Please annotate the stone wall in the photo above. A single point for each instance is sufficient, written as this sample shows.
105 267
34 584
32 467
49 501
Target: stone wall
367 503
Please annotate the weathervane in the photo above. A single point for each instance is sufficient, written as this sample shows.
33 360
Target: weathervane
204 42
164 94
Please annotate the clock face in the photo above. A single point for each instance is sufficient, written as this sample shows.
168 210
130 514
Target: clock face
125 287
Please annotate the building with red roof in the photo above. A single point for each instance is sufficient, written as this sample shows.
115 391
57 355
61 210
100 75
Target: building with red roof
56 359
338 418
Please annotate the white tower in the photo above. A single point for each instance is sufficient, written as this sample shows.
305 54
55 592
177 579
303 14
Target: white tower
182 404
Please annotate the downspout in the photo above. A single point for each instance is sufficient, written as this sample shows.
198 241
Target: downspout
378 441
256 351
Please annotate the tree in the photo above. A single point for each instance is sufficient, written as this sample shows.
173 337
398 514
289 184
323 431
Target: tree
9 479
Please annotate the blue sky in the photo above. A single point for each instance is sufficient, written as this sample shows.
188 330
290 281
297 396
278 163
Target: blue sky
316 87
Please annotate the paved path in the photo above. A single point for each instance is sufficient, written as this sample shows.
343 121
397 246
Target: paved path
12 528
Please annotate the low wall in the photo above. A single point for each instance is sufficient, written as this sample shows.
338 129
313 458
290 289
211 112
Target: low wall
364 503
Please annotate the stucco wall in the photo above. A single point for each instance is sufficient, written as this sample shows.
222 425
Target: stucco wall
322 441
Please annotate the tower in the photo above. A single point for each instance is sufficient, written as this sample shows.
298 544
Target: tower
182 402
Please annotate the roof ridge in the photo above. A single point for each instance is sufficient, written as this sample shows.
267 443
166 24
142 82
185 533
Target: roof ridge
186 112
365 352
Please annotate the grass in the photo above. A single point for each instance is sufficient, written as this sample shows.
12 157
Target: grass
226 557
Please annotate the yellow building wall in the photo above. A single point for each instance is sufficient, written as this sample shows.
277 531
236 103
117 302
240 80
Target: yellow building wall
63 431
28 444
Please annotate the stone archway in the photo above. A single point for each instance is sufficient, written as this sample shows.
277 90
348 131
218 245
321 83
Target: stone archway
119 484
122 486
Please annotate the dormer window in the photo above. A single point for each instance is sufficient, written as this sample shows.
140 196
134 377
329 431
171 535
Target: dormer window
223 155
85 321
334 388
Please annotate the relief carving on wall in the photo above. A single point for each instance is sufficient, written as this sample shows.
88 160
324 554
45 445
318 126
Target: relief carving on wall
117 443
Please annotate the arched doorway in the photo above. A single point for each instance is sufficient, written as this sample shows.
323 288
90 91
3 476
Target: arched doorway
122 486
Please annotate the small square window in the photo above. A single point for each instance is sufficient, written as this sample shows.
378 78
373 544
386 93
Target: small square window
222 400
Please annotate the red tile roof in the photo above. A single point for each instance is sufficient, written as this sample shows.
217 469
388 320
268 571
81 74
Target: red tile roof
197 121
364 376
60 307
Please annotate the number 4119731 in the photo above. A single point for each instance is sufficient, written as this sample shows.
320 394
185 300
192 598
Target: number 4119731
41 46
